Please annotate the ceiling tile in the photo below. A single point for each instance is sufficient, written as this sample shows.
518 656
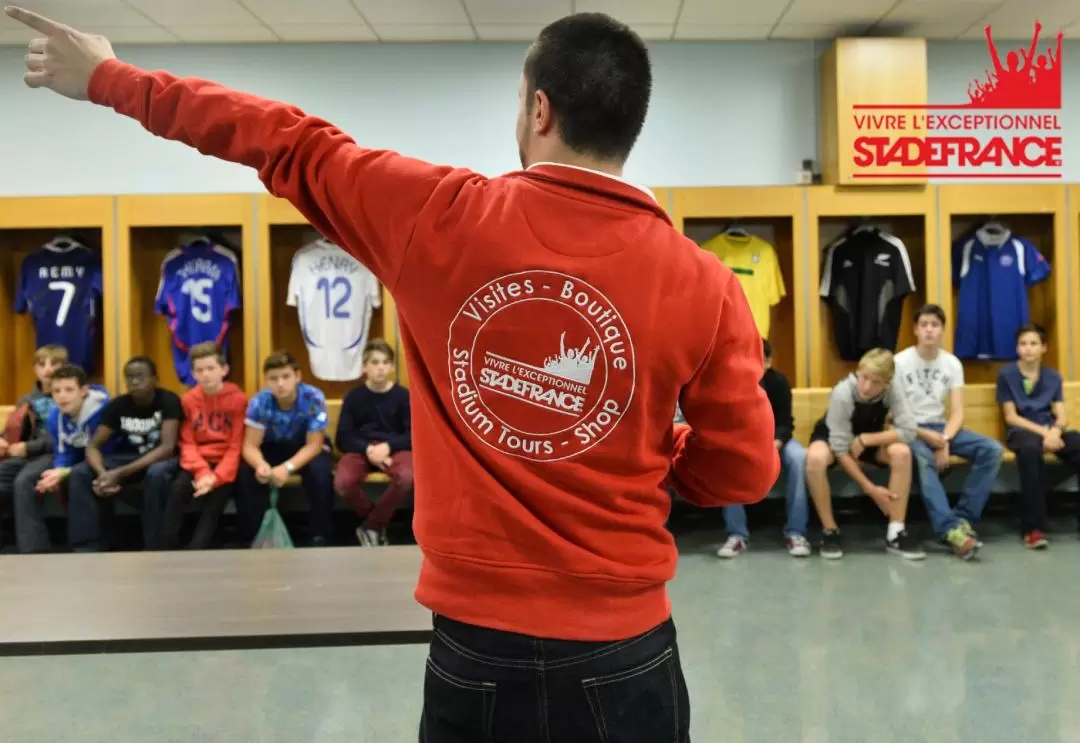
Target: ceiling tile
307 12
632 11
935 11
410 12
758 12
424 32
817 30
715 31
81 13
223 34
508 31
207 12
653 31
1053 14
808 12
133 35
323 32
938 30
517 12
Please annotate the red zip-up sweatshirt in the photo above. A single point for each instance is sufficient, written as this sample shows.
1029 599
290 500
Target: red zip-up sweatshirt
212 432
552 318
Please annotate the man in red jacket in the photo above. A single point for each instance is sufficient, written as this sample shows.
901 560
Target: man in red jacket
552 318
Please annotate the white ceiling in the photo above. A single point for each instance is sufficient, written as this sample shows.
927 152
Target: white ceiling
203 21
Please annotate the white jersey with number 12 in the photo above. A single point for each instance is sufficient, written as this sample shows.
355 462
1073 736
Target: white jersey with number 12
334 295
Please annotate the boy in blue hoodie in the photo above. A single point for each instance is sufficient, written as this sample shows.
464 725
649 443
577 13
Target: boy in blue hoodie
71 423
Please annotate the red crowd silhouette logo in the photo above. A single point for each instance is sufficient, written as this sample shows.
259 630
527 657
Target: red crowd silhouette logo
1020 139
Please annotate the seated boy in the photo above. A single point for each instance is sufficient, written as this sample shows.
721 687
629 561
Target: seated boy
145 423
29 452
1031 401
211 436
793 461
853 431
71 424
285 433
928 375
375 434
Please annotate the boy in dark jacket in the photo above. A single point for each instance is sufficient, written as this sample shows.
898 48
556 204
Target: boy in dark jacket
28 452
793 461
375 434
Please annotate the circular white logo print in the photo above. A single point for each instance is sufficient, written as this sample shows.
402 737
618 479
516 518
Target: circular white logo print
1006 260
542 365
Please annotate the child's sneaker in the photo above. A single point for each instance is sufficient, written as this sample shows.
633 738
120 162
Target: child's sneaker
1036 540
831 548
962 543
905 546
798 546
733 547
967 527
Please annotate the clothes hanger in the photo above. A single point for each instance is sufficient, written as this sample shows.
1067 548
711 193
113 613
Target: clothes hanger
735 230
993 226
62 244
862 224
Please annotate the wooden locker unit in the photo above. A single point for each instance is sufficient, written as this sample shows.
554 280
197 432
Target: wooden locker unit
1033 211
283 231
777 215
148 228
25 225
1072 257
908 213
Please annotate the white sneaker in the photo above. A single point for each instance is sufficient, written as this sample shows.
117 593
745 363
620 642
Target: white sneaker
367 537
733 547
798 546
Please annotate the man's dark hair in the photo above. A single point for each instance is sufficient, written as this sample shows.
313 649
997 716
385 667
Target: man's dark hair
596 73
150 364
930 309
70 371
1031 327
766 348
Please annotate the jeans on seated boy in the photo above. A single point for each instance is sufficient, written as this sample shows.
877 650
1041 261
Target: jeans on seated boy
90 516
985 457
253 497
793 464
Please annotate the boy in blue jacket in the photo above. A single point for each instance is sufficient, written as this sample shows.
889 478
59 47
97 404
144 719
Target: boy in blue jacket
72 422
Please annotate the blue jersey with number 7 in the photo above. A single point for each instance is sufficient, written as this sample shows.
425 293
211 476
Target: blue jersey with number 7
334 295
200 286
60 286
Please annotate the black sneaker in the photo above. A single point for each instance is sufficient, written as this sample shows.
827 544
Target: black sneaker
905 546
830 545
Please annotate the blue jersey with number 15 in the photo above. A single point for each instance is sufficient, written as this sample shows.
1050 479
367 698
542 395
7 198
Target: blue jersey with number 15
199 287
60 287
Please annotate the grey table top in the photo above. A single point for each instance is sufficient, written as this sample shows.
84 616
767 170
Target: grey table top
217 599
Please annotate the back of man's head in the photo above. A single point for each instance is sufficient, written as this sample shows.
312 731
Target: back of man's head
596 73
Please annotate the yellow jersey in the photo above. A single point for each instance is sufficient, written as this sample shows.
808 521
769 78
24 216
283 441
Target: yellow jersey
755 264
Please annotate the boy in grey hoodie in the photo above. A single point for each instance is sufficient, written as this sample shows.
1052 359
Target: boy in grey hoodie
854 431
29 451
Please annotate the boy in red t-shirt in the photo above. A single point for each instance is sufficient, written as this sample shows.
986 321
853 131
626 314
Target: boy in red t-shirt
210 439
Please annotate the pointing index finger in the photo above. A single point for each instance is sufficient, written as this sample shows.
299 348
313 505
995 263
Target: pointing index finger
37 22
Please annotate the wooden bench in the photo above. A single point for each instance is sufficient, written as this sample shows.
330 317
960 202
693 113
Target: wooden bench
210 600
982 414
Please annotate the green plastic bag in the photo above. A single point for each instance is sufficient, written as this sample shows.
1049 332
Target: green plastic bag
272 533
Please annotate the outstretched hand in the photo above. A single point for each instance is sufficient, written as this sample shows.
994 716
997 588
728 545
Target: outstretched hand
61 59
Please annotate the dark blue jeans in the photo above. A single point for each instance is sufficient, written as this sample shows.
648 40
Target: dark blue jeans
486 686
317 478
90 518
